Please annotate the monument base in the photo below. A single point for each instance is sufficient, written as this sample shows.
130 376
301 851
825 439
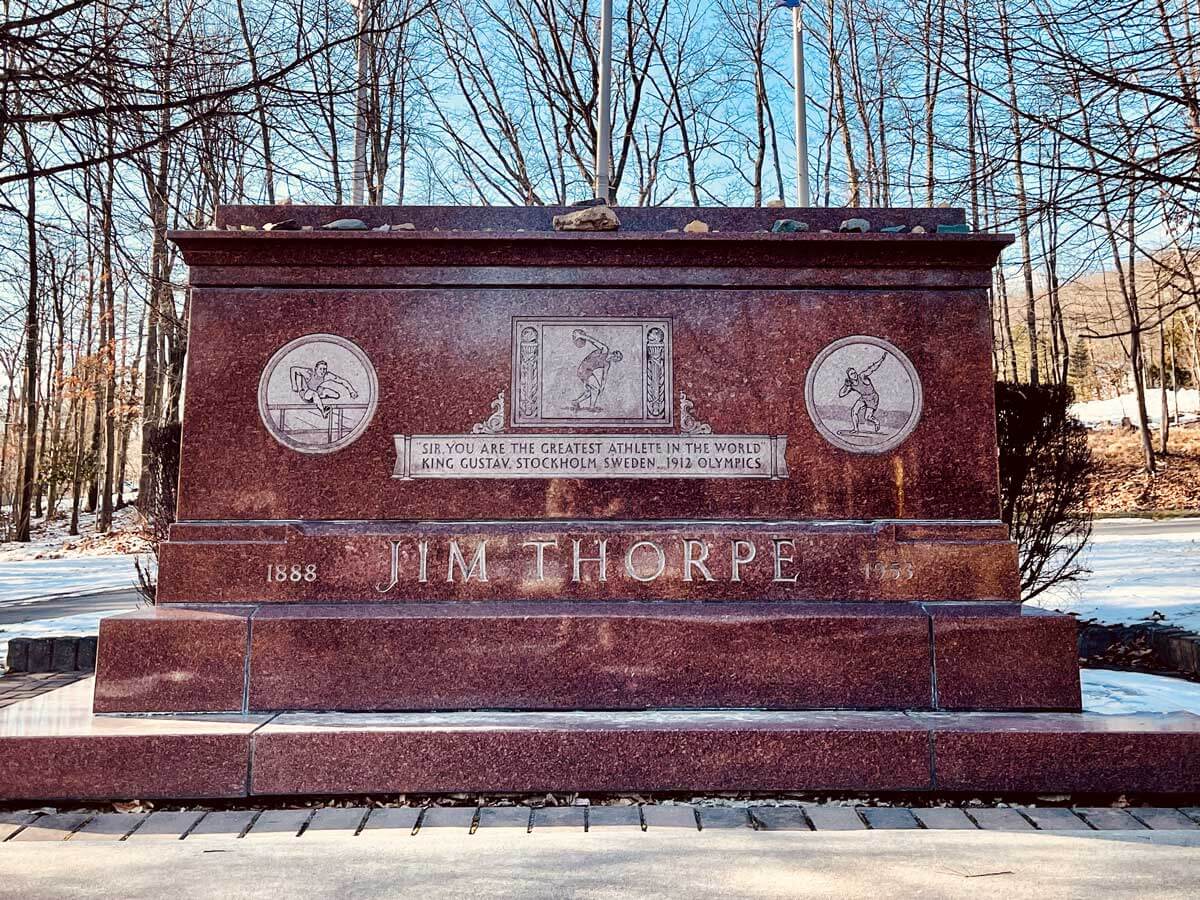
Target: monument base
54 747
558 655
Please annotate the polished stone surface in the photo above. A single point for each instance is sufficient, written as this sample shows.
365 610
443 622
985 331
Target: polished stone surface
945 469
1062 752
589 656
173 658
53 746
477 463
977 667
623 655
382 561
594 752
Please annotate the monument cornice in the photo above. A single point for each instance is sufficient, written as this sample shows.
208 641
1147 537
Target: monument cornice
652 250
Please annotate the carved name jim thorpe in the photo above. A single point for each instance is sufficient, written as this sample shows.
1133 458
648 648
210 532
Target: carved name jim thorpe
602 559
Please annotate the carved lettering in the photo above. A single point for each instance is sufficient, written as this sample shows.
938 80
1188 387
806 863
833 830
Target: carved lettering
602 559
695 562
737 559
394 578
632 571
540 555
779 545
478 559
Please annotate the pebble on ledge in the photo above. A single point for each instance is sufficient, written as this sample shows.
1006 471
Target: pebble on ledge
591 218
788 226
345 225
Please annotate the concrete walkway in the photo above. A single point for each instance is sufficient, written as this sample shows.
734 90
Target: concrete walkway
617 862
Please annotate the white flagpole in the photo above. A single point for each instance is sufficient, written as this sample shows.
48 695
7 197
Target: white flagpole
603 124
802 198
358 190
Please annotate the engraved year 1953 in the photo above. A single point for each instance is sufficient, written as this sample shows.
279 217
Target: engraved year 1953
293 572
888 571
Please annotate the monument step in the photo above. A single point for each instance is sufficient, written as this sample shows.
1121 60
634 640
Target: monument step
54 747
572 655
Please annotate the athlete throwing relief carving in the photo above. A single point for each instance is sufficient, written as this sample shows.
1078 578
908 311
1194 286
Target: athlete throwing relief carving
865 406
318 386
593 371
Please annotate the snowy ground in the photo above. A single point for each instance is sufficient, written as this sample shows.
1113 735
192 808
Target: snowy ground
1109 692
35 578
1110 412
51 541
1139 567
59 565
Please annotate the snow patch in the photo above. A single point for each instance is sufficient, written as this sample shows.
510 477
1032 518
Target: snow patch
1113 693
1139 567
80 625
32 579
1110 412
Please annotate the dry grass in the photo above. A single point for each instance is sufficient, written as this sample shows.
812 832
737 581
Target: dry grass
1121 484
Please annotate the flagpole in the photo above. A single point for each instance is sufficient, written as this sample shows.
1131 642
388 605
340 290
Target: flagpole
603 124
802 198
358 189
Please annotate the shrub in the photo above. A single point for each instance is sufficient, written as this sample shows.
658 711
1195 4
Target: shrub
1045 466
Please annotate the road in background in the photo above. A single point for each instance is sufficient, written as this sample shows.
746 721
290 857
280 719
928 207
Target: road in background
14 612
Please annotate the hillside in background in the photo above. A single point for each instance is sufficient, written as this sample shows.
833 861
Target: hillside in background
1121 485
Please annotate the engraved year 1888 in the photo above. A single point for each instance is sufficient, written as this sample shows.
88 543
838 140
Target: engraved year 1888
295 572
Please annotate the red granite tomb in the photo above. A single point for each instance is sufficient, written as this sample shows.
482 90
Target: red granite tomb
479 464
480 506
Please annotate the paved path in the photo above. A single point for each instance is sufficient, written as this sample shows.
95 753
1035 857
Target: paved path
613 862
13 612
1146 528
26 826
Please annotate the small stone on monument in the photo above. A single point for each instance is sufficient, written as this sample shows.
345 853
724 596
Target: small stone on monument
788 226
954 229
855 226
918 229
894 229
345 225
591 218
776 203
696 227
285 225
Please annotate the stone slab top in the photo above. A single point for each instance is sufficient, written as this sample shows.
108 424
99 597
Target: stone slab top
540 218
497 244
67 712
625 720
706 611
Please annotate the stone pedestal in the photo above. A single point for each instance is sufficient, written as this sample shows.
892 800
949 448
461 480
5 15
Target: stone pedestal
478 506
479 464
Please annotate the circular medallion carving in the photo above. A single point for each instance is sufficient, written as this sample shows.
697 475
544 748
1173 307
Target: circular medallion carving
317 393
863 394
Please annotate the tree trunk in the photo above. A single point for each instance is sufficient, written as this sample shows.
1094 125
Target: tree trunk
29 463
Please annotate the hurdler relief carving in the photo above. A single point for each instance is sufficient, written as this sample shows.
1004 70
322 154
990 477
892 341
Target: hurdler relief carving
317 393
